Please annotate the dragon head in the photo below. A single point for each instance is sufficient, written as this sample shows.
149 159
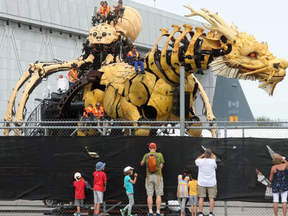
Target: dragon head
242 56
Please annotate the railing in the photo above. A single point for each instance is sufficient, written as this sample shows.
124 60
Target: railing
34 120
223 129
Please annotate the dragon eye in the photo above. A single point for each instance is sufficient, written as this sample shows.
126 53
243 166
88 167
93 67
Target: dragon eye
94 34
104 34
252 55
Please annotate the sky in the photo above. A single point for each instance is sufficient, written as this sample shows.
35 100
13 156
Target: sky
267 21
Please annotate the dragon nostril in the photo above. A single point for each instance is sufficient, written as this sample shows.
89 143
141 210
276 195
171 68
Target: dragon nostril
276 65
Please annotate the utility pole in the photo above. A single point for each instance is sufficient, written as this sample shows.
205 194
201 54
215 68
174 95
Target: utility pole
182 101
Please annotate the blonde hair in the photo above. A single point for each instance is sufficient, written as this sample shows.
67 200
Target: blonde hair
277 159
128 172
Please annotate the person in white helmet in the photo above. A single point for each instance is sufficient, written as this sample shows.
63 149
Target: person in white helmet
79 185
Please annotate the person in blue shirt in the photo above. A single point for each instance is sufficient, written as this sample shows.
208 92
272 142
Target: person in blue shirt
128 184
133 55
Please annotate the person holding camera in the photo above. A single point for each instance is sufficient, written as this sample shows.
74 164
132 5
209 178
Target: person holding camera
206 179
279 182
133 55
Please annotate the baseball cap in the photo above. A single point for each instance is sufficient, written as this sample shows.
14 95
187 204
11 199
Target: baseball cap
77 176
152 145
128 168
100 165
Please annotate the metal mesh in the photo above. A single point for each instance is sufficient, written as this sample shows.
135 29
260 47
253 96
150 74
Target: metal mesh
230 208
95 127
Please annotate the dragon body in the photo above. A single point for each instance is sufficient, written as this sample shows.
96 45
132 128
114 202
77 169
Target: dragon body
135 97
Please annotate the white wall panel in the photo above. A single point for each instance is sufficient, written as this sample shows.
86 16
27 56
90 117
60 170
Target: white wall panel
3 6
24 10
55 17
54 5
34 2
72 8
64 7
65 19
45 15
12 7
34 12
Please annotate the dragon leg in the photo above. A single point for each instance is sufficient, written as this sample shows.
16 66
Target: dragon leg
192 80
40 70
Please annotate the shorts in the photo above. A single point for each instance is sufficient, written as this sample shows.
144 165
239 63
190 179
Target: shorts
212 191
98 197
193 200
79 202
283 197
154 183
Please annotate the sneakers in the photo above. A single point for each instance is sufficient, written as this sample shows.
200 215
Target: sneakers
158 215
150 214
95 214
122 212
211 214
77 214
142 72
201 215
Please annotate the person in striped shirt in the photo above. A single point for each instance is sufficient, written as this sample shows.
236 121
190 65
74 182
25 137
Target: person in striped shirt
182 190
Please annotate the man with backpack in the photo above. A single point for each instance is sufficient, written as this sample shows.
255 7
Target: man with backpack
154 180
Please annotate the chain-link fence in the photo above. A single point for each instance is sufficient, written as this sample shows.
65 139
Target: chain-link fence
95 127
223 129
112 207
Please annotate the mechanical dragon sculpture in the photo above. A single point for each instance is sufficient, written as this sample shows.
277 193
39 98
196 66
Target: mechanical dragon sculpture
109 79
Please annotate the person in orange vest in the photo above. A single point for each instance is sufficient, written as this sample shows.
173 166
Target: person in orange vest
89 111
133 55
99 12
104 10
99 111
118 7
73 74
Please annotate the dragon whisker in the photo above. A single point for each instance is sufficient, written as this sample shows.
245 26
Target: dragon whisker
225 68
254 72
228 73
271 75
218 68
217 63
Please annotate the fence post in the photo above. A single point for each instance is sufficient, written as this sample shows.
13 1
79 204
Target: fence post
225 129
104 208
182 101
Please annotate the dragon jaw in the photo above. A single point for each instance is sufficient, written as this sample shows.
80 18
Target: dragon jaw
268 76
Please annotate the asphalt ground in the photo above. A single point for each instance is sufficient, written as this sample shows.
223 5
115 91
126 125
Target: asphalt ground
234 208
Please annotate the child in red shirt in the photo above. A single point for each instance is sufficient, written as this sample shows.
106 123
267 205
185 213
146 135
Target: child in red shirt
79 185
99 186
